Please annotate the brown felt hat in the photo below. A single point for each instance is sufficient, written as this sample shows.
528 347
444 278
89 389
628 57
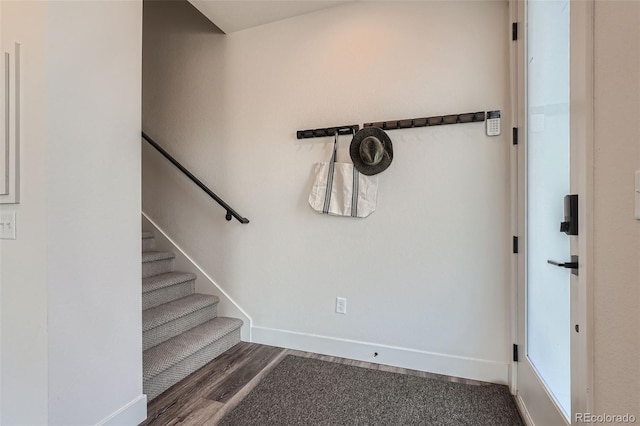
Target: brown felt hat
371 151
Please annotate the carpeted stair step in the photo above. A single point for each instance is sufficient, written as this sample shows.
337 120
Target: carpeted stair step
148 241
170 319
173 360
163 288
156 262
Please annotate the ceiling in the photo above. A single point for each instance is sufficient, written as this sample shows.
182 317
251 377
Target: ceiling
238 15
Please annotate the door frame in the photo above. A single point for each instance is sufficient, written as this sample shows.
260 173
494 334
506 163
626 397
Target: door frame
581 131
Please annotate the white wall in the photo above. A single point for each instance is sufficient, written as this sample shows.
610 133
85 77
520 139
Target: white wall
23 262
616 314
426 276
183 110
94 269
71 281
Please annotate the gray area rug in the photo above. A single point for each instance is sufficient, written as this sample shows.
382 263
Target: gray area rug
303 391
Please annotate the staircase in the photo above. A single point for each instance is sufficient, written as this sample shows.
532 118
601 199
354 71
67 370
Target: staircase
181 331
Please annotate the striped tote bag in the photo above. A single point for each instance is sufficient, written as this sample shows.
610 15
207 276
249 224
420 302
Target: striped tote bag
340 190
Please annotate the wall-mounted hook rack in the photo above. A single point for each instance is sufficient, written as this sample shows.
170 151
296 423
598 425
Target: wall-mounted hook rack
438 120
327 131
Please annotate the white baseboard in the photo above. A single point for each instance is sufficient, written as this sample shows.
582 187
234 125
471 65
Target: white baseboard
456 366
524 413
133 413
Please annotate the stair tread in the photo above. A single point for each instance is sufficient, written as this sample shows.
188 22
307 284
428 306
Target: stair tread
147 234
156 282
162 314
152 255
169 353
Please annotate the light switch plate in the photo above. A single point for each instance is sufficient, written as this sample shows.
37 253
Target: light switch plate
7 225
637 194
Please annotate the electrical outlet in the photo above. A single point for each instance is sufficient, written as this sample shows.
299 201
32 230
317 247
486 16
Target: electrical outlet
341 305
8 225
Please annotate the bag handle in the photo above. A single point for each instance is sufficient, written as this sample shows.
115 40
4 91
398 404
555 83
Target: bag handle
335 146
332 165
335 141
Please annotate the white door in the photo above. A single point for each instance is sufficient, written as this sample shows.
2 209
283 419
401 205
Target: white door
547 172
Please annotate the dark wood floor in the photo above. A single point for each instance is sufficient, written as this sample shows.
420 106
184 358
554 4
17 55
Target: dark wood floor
204 397
208 394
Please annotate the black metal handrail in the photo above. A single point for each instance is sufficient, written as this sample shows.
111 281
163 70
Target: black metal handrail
230 212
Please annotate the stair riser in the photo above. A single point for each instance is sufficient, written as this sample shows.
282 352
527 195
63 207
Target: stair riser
168 294
156 267
163 381
155 336
148 244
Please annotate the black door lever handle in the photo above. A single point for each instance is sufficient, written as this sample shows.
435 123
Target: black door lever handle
573 265
569 265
